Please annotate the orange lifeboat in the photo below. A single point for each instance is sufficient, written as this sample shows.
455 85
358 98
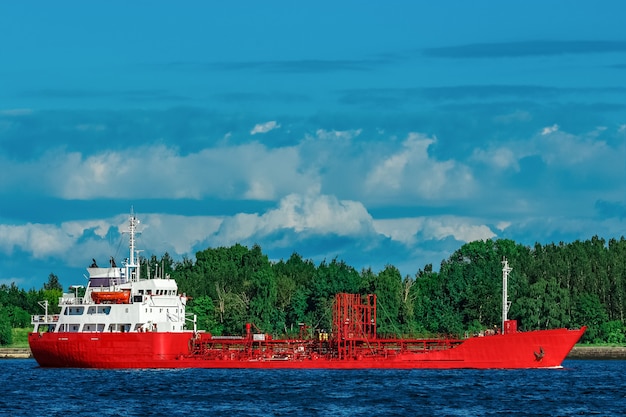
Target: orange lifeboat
111 297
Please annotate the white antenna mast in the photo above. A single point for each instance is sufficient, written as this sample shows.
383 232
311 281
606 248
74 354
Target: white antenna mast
132 230
505 299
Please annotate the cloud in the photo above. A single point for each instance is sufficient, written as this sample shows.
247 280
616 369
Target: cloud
161 233
249 171
307 215
549 129
297 221
564 149
40 240
410 231
176 234
264 127
503 225
500 158
578 154
411 170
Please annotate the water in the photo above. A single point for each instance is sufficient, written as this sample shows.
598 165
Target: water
581 388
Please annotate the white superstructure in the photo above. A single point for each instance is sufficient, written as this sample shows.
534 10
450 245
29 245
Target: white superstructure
117 299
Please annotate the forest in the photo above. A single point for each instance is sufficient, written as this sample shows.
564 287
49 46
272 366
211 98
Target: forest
550 286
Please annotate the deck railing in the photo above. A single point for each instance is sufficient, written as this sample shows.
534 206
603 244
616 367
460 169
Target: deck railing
71 300
42 318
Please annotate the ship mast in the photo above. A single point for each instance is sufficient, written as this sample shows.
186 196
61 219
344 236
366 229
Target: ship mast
505 299
131 230
131 267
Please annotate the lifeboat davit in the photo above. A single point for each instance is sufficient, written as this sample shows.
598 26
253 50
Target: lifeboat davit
111 297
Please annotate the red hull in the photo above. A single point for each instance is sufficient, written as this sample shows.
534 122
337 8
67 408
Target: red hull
535 349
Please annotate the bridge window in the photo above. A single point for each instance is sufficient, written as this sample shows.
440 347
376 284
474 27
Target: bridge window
104 309
73 311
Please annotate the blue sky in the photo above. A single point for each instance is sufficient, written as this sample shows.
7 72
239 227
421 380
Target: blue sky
376 133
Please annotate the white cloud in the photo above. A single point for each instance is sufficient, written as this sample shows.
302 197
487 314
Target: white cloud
503 225
176 234
157 233
402 230
585 152
337 134
500 158
564 149
310 214
306 215
264 127
412 171
320 214
549 129
249 171
408 230
460 229
41 240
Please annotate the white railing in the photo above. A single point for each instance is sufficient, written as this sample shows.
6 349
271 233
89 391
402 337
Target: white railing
71 300
42 318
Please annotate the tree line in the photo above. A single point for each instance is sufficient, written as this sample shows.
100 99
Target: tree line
550 286
17 305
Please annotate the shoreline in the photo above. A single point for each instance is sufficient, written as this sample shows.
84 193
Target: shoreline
15 353
597 352
578 352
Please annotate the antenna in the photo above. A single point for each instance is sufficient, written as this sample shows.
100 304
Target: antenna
505 299
132 230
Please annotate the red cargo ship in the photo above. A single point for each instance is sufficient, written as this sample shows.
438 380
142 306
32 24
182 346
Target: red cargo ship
125 321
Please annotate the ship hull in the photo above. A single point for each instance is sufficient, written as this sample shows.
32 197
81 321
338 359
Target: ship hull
534 349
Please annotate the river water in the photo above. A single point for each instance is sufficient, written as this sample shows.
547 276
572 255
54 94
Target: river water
582 387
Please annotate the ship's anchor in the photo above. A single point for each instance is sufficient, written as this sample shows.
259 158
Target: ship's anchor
539 356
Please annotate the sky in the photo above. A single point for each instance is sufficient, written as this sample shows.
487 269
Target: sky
377 133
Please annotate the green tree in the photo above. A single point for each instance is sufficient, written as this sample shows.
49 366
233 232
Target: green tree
204 309
294 279
614 332
263 299
298 310
434 310
387 286
18 317
589 311
6 334
329 280
52 297
53 283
